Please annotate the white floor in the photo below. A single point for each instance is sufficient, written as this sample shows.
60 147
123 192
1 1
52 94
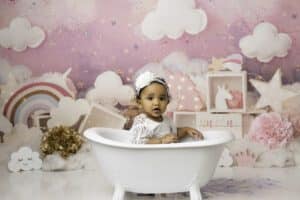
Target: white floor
89 184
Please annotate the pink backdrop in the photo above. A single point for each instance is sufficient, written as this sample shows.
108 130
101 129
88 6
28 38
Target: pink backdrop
105 34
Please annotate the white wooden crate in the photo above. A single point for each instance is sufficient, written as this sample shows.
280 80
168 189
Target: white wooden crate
207 121
100 116
232 81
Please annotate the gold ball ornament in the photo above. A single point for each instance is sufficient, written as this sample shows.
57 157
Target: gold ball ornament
61 139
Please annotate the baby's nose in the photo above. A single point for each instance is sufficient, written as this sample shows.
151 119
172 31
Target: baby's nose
156 101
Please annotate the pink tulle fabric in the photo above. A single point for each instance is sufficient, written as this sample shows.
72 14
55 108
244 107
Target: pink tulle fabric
236 101
271 130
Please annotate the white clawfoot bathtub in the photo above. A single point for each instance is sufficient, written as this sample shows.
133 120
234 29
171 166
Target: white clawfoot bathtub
160 168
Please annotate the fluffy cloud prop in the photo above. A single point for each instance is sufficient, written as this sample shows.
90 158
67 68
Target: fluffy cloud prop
265 43
20 72
109 90
172 18
81 159
24 160
68 112
276 158
181 62
20 136
20 35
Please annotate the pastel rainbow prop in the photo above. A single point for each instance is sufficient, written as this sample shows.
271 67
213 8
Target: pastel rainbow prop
32 97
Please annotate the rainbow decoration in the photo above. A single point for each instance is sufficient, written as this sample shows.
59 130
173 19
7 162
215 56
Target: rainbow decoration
30 98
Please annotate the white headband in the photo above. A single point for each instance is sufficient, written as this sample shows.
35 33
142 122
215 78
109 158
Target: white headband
146 79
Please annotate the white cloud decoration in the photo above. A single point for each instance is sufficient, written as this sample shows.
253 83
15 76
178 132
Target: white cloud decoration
172 18
24 160
19 136
109 90
82 159
68 112
20 72
20 35
265 43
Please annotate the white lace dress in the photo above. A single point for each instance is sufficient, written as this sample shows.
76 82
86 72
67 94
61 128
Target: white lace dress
144 128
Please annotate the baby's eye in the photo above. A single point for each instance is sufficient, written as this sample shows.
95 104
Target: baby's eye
162 98
150 98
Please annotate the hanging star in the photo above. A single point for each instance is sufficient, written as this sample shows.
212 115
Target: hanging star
216 64
272 93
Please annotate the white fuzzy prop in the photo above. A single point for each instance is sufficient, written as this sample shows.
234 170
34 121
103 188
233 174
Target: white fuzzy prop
24 160
109 90
20 136
182 17
276 158
226 159
68 112
20 35
295 148
265 43
79 160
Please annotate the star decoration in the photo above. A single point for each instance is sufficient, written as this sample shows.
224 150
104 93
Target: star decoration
216 64
272 93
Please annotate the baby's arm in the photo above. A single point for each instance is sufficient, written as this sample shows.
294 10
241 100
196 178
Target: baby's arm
166 139
184 131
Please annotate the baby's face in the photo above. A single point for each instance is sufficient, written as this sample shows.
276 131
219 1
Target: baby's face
154 100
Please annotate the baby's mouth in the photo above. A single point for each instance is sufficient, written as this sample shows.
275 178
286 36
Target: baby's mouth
156 110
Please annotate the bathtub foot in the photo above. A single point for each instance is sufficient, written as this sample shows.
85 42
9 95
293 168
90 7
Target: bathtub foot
195 193
119 193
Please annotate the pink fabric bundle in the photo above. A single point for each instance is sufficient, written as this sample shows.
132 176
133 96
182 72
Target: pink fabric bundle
236 101
271 130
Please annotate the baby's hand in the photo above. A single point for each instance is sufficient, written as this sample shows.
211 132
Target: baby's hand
169 138
197 135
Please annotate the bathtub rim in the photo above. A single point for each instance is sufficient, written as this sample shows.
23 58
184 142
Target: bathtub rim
91 135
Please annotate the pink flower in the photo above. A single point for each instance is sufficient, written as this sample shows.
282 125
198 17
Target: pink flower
271 130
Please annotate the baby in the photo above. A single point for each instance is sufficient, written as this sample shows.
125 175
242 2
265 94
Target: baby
151 126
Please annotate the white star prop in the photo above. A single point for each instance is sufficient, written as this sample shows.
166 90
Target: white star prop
272 93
